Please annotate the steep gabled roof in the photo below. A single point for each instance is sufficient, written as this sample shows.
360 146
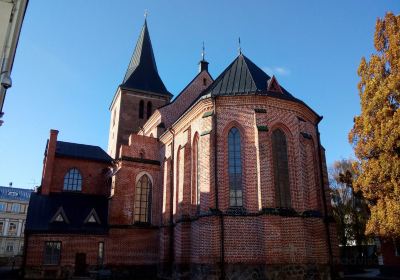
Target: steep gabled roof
67 149
142 73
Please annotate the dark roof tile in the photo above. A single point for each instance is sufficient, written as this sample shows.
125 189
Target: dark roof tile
76 207
82 151
142 73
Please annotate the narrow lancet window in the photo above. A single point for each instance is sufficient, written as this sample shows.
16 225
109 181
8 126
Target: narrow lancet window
281 169
143 200
141 109
149 109
235 168
196 172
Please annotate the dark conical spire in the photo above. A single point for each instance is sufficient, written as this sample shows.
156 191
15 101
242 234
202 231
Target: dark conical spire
142 71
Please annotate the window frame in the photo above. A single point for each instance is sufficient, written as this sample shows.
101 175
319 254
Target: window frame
195 173
16 205
74 181
9 244
14 231
235 162
149 109
54 260
143 206
100 253
141 109
281 168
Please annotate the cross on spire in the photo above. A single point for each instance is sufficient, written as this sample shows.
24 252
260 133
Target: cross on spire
203 52
240 47
146 13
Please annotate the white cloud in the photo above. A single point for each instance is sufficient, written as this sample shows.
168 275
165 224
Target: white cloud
279 70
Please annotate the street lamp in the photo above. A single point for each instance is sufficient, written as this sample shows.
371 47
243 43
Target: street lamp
5 79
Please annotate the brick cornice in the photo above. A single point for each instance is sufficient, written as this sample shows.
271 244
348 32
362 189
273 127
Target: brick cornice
140 160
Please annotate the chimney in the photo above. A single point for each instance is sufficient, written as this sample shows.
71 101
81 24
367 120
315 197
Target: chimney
49 162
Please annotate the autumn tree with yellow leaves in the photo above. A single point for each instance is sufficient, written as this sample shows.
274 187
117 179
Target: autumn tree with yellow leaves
376 131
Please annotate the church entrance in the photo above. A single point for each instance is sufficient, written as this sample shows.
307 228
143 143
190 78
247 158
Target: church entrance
80 264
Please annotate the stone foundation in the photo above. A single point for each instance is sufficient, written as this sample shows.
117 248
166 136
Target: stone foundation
261 272
199 272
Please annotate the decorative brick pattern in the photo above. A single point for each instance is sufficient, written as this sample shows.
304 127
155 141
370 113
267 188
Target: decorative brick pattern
257 241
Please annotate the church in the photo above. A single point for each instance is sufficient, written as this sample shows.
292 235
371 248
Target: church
228 180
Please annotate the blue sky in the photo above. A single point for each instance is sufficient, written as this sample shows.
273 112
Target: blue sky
73 54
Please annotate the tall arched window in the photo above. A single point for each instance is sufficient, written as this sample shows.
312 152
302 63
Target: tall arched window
143 200
141 109
196 172
149 109
235 168
281 168
73 180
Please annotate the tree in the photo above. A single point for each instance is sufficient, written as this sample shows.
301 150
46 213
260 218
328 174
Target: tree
348 205
376 132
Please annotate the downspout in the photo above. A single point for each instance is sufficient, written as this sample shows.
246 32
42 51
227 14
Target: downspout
171 203
222 228
326 220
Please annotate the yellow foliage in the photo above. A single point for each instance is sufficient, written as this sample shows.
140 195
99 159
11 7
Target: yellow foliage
376 131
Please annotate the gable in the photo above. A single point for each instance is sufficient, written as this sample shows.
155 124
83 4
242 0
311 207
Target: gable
92 218
273 85
171 112
60 216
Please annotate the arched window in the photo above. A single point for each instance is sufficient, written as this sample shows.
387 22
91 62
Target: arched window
235 168
143 200
149 109
73 180
141 109
196 171
281 168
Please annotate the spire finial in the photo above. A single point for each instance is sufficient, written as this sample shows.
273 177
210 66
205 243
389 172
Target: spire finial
240 47
203 52
146 13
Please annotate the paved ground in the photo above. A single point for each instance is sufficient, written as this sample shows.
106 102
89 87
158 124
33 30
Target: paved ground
372 273
6 273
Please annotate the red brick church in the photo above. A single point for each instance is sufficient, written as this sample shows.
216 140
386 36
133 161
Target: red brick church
226 181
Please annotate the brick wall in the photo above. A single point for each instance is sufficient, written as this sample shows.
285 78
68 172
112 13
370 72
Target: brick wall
94 179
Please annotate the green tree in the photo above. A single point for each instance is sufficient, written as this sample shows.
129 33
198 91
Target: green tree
348 205
376 132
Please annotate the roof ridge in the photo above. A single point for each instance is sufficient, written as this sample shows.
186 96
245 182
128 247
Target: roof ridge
80 144
248 69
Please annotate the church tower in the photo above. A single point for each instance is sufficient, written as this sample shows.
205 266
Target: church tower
141 92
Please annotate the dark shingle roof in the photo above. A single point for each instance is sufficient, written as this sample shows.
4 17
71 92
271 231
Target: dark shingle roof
242 77
9 193
142 73
68 149
76 206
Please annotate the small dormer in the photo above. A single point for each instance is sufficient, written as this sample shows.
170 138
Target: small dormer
273 85
60 217
92 218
